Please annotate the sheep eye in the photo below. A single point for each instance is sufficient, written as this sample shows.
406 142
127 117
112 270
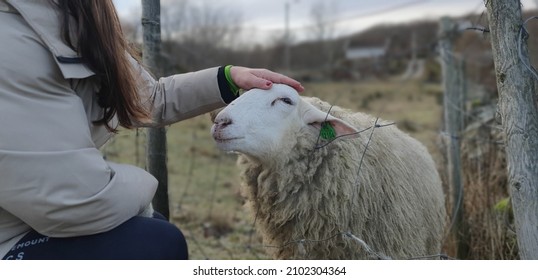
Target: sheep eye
283 99
286 100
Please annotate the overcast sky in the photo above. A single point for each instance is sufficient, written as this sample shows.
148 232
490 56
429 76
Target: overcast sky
262 16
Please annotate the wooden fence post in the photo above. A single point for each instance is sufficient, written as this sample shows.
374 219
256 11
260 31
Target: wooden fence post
518 106
156 146
453 86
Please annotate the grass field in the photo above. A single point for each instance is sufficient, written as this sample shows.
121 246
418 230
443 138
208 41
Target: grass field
203 182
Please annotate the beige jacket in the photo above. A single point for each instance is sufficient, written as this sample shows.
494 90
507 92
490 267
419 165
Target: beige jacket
52 176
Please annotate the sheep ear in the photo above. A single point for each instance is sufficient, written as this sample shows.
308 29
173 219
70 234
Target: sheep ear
329 126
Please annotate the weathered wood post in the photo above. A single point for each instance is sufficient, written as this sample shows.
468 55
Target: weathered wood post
453 86
518 107
156 142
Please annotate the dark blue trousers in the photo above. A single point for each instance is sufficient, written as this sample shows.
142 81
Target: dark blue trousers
139 238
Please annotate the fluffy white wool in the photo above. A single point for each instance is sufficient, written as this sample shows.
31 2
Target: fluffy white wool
394 203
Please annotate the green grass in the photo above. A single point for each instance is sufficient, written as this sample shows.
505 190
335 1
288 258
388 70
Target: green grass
204 184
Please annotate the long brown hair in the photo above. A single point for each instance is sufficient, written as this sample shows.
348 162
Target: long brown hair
102 46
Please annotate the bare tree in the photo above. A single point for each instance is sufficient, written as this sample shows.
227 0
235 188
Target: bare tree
196 33
173 17
322 14
130 30
131 25
212 25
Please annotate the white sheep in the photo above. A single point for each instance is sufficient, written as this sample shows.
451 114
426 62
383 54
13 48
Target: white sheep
305 189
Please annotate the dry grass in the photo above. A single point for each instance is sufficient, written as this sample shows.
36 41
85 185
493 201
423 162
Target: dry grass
488 229
203 182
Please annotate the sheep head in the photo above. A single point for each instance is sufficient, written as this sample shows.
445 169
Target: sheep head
264 123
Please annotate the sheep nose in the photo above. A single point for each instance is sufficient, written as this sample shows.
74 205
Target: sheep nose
223 122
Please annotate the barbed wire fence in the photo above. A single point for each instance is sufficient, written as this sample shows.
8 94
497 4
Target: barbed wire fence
253 247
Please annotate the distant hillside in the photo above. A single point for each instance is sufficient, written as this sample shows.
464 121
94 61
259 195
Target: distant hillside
327 59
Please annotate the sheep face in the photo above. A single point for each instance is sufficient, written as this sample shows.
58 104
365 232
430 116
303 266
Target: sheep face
264 123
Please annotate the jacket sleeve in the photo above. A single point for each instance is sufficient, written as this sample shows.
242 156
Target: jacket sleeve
72 193
52 176
182 96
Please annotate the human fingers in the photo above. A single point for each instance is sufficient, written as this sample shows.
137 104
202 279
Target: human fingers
278 78
245 78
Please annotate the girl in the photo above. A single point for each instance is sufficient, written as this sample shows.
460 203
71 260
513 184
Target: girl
67 80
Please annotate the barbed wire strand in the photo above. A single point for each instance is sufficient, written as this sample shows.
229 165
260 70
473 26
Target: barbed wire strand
366 247
319 134
200 248
190 172
351 134
354 238
475 24
440 256
359 241
474 139
214 186
252 231
465 113
304 240
356 184
230 253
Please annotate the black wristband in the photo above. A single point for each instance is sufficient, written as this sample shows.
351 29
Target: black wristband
225 92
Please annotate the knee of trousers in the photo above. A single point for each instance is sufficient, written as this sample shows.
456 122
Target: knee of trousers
174 242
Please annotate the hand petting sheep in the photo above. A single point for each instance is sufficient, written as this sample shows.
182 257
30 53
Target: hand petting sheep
317 183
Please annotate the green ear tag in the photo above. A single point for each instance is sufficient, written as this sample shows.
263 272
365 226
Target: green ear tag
327 131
